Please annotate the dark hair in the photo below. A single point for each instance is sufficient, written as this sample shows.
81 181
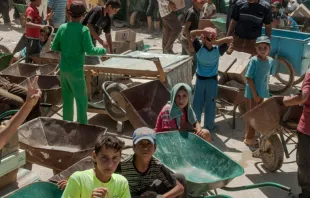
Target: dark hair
182 89
108 141
115 4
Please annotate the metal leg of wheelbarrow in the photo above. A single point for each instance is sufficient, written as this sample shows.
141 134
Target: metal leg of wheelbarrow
287 155
259 185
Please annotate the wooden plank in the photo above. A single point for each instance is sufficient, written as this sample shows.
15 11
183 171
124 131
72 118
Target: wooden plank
237 70
94 110
226 61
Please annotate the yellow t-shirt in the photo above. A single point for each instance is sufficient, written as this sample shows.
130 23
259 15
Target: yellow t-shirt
82 183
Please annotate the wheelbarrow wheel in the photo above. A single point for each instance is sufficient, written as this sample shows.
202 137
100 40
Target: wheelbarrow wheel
4 49
287 82
114 90
272 153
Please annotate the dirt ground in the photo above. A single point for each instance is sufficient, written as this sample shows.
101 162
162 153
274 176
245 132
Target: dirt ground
226 139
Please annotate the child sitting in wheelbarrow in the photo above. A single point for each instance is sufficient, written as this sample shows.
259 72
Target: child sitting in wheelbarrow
178 114
44 34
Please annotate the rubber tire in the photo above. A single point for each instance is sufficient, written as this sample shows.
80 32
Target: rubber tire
4 49
274 162
113 112
291 74
295 82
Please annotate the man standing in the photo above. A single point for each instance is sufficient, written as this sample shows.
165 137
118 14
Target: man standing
247 19
171 25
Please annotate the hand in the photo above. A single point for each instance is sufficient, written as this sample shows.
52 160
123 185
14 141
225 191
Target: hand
191 48
103 43
172 6
62 184
204 40
99 192
229 39
257 99
199 132
34 93
49 16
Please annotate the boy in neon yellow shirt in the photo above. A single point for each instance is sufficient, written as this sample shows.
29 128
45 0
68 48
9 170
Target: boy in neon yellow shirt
101 181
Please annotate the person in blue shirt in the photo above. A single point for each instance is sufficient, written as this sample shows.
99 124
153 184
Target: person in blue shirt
257 86
208 51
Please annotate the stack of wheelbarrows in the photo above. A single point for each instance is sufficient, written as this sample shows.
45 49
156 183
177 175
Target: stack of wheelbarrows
61 145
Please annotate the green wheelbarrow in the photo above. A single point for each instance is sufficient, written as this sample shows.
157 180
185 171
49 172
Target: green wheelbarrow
22 10
219 23
38 190
204 166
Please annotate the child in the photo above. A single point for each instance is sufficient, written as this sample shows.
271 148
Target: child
145 173
44 34
100 181
73 40
208 10
257 86
98 19
191 23
178 113
58 7
33 26
207 55
303 145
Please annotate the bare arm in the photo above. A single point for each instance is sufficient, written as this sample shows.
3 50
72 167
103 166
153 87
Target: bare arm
232 27
295 100
32 98
50 21
109 41
176 191
187 33
252 86
93 32
224 40
268 30
196 33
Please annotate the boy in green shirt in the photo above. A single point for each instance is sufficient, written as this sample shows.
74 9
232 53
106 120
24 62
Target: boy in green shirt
73 40
101 181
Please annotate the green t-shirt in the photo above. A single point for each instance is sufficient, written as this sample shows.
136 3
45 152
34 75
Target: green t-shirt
82 183
73 41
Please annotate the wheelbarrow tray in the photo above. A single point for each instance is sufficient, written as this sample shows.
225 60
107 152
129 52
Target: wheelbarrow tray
29 70
219 23
49 57
50 87
14 79
231 95
144 102
84 164
57 144
203 165
21 8
38 190
5 60
266 117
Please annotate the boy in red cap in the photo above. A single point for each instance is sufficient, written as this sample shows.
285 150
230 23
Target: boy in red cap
208 53
191 23
73 40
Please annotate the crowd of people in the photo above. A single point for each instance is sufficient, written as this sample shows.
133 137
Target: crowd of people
141 174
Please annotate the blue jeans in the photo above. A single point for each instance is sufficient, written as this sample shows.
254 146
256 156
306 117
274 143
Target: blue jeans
204 97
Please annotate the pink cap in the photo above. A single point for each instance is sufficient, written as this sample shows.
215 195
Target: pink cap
211 31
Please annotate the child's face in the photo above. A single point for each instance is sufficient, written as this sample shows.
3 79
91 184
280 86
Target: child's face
181 99
112 11
275 9
263 49
107 160
43 37
144 149
198 5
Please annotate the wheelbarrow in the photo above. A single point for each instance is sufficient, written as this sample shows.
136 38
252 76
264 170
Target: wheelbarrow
29 70
206 169
231 96
57 144
49 57
144 102
38 190
5 56
14 79
21 8
273 120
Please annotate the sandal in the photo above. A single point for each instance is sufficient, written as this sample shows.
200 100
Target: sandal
251 143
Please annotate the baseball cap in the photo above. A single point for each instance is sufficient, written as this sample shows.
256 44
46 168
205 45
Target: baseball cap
144 133
77 9
212 31
277 4
263 39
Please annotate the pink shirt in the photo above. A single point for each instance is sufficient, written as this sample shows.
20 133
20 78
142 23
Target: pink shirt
304 122
164 123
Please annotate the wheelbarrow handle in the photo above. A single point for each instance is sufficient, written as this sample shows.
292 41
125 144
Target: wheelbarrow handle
259 185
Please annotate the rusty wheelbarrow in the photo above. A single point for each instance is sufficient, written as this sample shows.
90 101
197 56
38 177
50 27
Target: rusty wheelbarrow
231 96
144 102
273 121
29 70
57 144
49 57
